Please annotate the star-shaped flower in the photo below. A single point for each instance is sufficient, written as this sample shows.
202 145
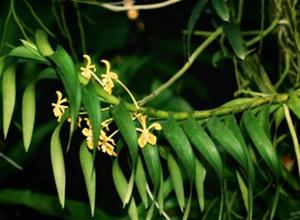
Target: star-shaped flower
146 136
107 144
59 108
108 78
89 69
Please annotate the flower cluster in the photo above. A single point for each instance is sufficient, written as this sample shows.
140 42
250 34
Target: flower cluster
105 142
107 79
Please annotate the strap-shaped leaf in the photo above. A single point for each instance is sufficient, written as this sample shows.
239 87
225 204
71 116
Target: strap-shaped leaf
181 145
25 53
8 96
261 142
196 12
199 183
294 105
177 181
58 164
67 73
2 65
151 157
127 128
28 114
89 173
244 190
203 144
92 106
141 182
231 123
121 185
227 140
42 43
264 121
222 9
233 34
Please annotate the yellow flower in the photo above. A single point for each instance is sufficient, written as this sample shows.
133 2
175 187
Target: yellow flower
107 144
108 77
59 108
88 132
146 135
89 69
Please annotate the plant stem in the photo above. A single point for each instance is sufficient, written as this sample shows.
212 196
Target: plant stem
186 66
219 111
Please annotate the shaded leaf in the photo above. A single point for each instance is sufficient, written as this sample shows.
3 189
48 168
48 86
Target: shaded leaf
28 114
25 53
181 145
92 106
203 144
58 164
127 128
294 105
222 9
244 190
227 140
121 185
141 181
261 142
89 173
264 121
8 96
68 75
177 181
151 157
2 65
196 12
233 34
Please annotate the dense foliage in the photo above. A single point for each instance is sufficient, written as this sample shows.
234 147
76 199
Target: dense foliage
150 109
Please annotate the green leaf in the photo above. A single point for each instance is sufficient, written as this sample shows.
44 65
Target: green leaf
261 142
244 190
161 194
127 128
8 96
141 182
58 165
92 106
89 173
228 141
196 12
203 144
151 157
119 180
42 43
264 121
67 73
294 105
233 34
231 123
2 65
121 185
199 183
187 207
28 114
25 53
181 145
222 9
177 181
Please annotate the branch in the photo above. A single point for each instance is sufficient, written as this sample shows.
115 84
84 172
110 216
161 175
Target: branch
232 107
116 8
